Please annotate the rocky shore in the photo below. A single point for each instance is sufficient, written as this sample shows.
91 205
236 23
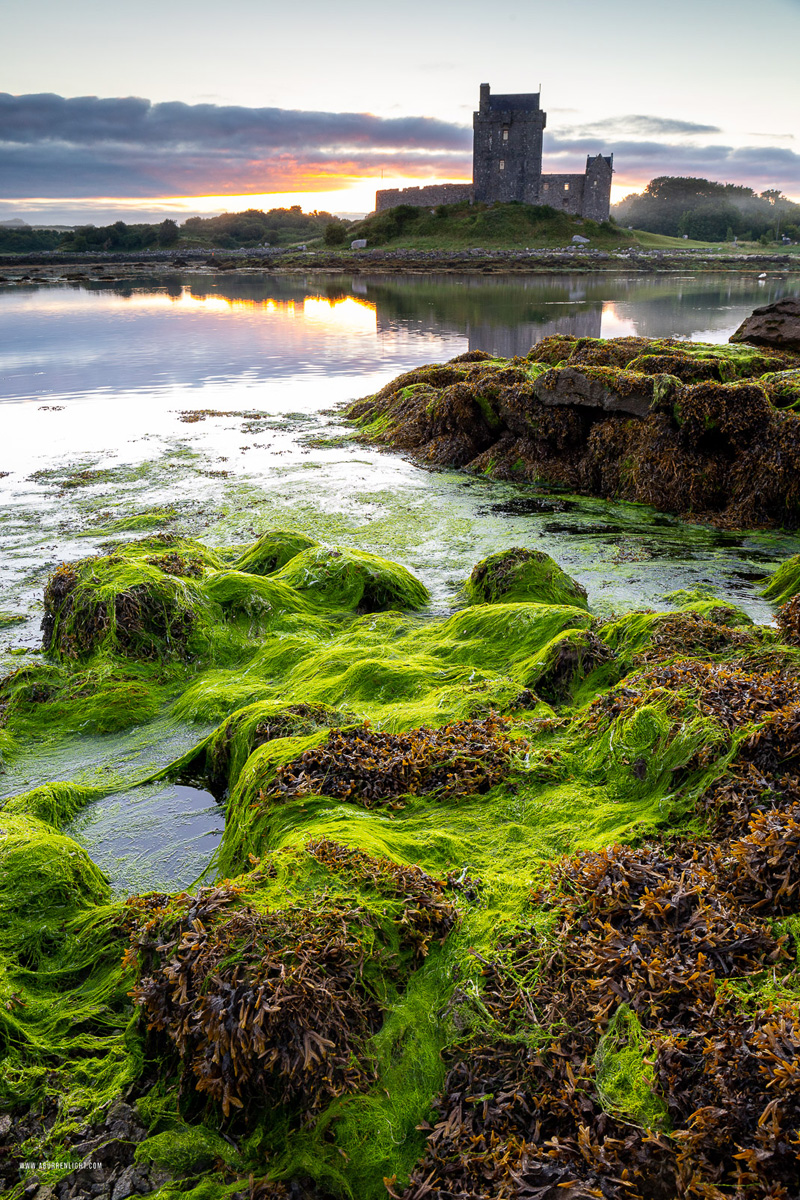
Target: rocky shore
570 259
507 904
706 431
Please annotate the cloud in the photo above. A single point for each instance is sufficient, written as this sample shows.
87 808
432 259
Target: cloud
645 126
52 146
88 120
638 161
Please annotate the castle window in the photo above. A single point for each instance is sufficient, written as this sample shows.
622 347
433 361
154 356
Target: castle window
502 164
566 187
547 187
505 135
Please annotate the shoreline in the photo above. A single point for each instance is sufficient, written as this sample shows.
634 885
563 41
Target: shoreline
463 261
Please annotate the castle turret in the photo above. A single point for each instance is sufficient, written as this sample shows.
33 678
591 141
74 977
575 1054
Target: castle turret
597 188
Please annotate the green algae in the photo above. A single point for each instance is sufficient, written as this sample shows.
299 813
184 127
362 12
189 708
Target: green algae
282 656
703 601
784 583
53 804
152 518
353 579
8 619
65 1023
724 362
186 1149
125 604
272 551
624 1074
562 663
783 388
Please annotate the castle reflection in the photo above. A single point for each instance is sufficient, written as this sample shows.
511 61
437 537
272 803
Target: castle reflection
505 315
191 329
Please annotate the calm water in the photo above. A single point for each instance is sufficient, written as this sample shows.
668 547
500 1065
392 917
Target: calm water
200 404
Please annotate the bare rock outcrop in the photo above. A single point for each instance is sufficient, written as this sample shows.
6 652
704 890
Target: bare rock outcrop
775 325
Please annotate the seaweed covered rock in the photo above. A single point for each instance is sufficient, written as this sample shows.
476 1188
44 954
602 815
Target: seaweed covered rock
520 574
45 879
352 579
690 362
221 757
784 583
282 1003
592 1044
783 388
706 431
239 593
721 414
272 551
609 389
128 605
622 1021
553 672
374 767
789 621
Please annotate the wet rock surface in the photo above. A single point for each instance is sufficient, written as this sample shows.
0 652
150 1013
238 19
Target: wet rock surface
776 325
103 1154
578 389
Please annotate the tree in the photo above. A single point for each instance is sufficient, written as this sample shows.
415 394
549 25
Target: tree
705 209
168 232
335 234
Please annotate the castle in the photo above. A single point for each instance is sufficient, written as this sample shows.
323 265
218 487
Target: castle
507 165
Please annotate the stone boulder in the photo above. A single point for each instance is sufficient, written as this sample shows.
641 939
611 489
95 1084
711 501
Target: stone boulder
608 388
775 325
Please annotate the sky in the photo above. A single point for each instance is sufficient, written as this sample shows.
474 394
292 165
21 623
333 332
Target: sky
150 109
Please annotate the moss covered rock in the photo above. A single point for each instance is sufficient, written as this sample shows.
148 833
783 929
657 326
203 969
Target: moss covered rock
272 551
784 583
123 603
522 574
568 658
353 579
783 388
733 412
45 879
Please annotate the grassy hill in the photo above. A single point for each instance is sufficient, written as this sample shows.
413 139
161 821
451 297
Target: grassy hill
507 226
455 226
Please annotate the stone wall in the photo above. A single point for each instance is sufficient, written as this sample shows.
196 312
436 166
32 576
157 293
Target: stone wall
563 192
423 197
587 195
597 189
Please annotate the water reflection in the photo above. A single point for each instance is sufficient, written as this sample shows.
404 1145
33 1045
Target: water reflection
158 835
154 333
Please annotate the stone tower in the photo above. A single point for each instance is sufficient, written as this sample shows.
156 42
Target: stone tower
507 147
